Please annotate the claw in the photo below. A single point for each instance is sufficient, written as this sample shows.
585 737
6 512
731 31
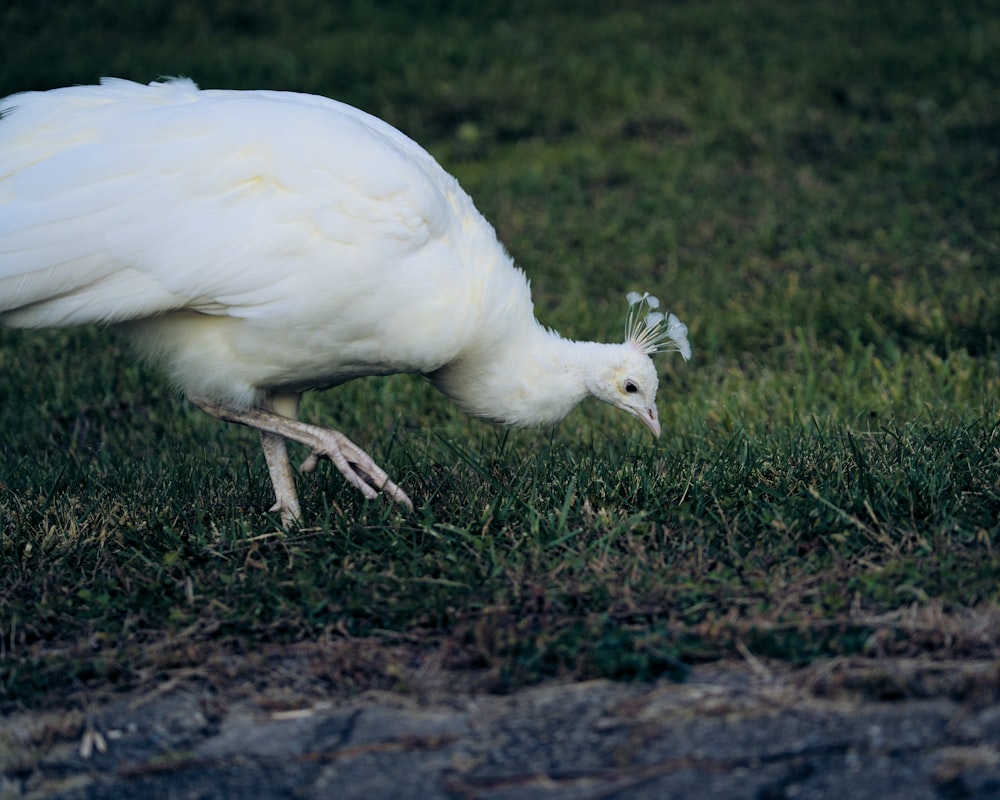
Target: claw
354 464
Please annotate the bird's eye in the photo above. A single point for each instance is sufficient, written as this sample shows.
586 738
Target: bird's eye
630 387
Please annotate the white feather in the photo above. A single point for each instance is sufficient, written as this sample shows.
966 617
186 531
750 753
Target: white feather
263 243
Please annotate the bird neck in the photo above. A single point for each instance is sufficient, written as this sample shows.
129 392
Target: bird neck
533 380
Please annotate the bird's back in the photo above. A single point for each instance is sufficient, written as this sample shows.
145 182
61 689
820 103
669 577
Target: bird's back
252 239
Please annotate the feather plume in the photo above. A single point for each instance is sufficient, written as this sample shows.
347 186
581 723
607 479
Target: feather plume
651 331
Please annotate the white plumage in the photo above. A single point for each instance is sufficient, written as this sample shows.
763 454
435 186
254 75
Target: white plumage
258 244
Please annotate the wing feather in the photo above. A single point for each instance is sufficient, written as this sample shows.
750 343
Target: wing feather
126 201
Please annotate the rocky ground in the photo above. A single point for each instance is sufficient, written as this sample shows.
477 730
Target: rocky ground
843 729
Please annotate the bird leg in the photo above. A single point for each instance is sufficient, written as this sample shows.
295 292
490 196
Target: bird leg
286 500
354 464
278 465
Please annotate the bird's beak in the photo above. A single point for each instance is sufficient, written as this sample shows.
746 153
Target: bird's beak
649 418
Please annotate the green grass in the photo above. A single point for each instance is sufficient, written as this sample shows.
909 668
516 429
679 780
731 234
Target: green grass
814 188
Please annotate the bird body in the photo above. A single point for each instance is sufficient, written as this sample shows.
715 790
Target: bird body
259 244
216 217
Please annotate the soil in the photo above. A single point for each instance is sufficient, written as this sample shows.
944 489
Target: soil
839 729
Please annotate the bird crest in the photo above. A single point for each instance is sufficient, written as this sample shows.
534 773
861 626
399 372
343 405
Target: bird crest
651 331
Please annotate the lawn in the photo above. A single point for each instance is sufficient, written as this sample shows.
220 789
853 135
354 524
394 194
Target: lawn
814 188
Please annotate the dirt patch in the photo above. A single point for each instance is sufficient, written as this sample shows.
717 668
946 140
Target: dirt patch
847 728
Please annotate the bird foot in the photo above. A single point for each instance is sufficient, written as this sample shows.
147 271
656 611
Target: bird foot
291 513
355 465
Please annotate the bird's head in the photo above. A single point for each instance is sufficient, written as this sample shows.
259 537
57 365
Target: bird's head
629 381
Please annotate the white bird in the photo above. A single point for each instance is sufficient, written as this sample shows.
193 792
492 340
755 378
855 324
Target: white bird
256 244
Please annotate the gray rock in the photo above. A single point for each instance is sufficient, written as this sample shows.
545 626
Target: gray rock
727 732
